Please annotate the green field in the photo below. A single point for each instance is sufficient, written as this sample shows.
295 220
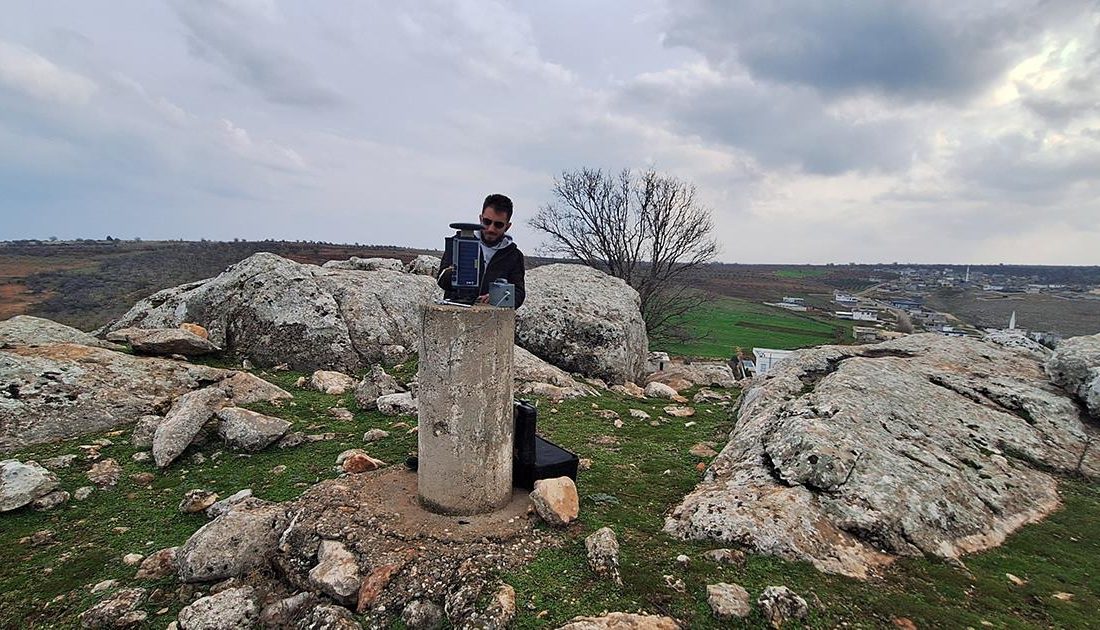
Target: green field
726 323
798 274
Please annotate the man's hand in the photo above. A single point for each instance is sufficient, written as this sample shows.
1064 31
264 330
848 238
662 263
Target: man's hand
447 271
483 299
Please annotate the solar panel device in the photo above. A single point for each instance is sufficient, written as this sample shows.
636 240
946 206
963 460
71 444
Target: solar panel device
464 251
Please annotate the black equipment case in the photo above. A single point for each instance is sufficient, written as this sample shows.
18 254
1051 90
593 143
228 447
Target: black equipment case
535 458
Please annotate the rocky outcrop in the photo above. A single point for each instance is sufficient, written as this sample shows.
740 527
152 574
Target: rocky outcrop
367 264
231 609
583 320
57 391
1075 366
25 330
184 421
275 310
849 456
622 621
705 373
424 265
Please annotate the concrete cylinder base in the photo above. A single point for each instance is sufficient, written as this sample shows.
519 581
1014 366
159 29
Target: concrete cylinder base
466 426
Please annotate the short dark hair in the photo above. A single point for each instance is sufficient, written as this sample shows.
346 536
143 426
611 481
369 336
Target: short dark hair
500 203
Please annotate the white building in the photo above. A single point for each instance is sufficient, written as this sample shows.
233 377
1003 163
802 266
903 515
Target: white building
767 358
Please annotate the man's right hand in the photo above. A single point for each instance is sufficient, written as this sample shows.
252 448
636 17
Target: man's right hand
446 271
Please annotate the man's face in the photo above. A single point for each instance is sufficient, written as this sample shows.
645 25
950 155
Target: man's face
493 225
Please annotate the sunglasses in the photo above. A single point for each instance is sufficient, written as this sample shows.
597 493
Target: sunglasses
486 221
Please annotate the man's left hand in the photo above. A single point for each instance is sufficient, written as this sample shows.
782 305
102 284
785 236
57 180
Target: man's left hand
483 299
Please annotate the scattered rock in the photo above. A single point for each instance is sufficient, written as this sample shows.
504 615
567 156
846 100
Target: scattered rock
501 609
376 383
1063 596
231 609
328 617
281 614
375 435
105 474
242 388
21 483
342 414
197 501
657 389
703 450
367 264
779 605
83 492
142 478
330 382
232 544
679 411
556 500
535 376
424 265
158 565
59 462
728 601
726 556
50 501
40 538
421 614
141 456
603 554
228 503
705 395
131 559
184 421
622 621
683 560
397 404
675 583
290 440
249 431
337 572
110 612
105 585
639 414
585 463
356 460
1018 581
373 585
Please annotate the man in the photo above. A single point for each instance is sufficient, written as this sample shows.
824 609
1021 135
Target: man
500 258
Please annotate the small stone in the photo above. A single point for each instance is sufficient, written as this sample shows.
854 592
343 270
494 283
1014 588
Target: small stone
290 440
683 560
421 614
675 584
618 423
110 612
700 467
226 504
330 382
780 605
688 425
278 470
61 461
142 478
301 382
373 585
728 601
141 456
230 609
21 483
360 463
40 538
1015 580
159 564
660 390
375 434
639 414
83 492
281 613
654 423
50 501
603 554
703 450
1062 596
105 474
342 414
679 411
197 500
904 623
584 464
105 585
556 500
337 571
131 559
726 556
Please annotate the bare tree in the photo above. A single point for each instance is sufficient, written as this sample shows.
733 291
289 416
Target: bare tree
646 228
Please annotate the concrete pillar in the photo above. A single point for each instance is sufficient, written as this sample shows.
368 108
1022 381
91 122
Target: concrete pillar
466 426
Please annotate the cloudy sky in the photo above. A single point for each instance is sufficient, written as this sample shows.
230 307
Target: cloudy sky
817 131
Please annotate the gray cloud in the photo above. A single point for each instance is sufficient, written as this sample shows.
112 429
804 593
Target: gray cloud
908 48
224 34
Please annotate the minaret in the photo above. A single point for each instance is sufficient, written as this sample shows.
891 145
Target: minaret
1012 321
967 278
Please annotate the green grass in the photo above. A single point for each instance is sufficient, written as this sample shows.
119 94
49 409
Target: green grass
727 323
646 470
798 274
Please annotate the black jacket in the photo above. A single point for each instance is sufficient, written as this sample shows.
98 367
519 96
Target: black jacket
506 263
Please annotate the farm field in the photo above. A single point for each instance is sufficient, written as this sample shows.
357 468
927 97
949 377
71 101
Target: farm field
726 323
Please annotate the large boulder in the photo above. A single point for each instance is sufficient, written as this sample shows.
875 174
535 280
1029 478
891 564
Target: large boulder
21 483
168 341
25 330
233 544
705 373
249 431
535 376
850 456
366 264
231 609
58 391
1075 366
275 310
424 265
583 320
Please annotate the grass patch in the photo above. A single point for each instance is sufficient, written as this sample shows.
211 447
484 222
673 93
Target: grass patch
725 323
800 273
639 472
